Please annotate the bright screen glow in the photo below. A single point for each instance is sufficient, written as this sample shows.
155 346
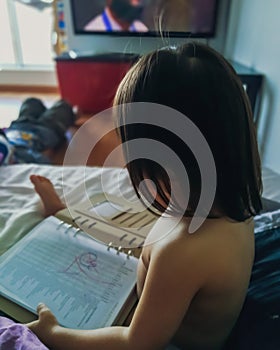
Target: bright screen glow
196 18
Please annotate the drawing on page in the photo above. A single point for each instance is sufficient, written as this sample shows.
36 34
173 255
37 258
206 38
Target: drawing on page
86 265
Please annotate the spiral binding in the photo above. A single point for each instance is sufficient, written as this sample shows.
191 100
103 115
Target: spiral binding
119 250
110 246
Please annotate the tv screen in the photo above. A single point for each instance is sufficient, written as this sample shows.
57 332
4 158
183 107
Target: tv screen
177 18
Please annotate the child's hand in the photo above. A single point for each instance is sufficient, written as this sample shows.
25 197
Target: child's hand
45 325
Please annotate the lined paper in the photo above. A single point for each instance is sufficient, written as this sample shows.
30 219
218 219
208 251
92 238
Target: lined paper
83 283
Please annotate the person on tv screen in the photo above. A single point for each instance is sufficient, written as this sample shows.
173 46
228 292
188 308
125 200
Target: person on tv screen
119 15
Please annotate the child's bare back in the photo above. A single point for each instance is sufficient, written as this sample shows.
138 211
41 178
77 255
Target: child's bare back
208 275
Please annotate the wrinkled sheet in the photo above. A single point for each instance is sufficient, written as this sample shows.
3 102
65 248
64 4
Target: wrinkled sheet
14 336
20 206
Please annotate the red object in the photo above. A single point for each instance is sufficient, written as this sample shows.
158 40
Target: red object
91 82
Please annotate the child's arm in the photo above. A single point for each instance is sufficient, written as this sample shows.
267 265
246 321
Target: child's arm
164 301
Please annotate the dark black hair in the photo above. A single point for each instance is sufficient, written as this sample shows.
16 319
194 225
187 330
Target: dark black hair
198 82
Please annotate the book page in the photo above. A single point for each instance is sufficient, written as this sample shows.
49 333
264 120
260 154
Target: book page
83 283
111 220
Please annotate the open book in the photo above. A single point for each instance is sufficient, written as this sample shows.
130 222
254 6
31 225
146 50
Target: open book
113 221
86 283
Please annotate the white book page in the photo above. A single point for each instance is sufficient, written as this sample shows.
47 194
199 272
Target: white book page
83 283
110 219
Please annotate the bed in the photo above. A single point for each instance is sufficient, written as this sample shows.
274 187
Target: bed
20 210
20 206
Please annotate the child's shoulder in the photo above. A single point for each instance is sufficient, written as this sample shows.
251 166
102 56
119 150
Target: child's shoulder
169 232
214 246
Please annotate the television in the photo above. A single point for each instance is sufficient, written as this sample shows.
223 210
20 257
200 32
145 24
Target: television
73 15
97 59
145 18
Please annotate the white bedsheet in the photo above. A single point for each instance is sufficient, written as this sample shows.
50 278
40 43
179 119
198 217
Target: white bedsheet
20 208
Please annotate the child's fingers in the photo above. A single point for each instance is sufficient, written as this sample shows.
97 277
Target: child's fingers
42 308
45 314
45 323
